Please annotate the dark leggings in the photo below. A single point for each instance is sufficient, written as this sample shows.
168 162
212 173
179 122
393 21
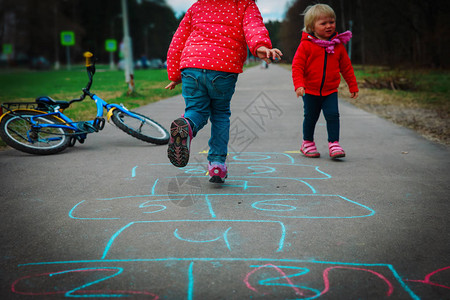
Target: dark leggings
312 106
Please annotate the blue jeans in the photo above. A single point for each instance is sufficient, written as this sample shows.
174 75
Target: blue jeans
312 106
207 95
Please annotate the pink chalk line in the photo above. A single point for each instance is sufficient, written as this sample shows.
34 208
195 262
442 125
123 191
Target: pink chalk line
247 283
428 281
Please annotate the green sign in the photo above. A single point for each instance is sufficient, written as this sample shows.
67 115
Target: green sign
111 45
7 49
67 38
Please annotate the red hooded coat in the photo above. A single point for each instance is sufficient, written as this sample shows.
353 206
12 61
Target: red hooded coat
214 35
319 71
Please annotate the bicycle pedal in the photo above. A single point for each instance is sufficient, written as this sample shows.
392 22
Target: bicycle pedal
99 123
86 126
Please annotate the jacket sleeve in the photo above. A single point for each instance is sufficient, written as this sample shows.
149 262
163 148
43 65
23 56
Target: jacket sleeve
298 66
347 71
176 48
256 34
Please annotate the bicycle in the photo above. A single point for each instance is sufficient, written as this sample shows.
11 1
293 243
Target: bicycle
41 127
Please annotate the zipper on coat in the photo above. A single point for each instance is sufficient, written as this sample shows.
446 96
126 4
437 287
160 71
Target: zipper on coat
324 71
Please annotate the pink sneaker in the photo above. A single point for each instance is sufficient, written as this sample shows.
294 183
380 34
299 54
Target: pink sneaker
180 142
309 149
217 172
336 150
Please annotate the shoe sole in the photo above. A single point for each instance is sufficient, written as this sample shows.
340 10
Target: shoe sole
178 150
216 179
339 155
315 155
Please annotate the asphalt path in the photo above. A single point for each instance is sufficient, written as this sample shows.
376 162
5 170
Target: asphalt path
113 218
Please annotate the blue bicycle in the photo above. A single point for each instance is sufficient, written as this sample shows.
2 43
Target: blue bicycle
41 127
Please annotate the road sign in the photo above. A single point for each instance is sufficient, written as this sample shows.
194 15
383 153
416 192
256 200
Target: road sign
67 38
111 45
7 49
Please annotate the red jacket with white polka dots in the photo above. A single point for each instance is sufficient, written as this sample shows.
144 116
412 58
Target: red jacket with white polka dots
214 35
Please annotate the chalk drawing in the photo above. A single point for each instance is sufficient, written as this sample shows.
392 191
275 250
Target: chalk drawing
278 278
216 232
224 236
275 232
272 281
313 206
390 287
79 291
428 281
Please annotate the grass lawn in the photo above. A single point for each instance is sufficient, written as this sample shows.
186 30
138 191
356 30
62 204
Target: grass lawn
425 88
417 99
25 86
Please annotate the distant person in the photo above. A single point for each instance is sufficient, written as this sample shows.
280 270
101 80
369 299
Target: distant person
316 68
144 62
206 55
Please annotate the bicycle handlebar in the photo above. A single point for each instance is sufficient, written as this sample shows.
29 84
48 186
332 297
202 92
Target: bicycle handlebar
88 55
90 68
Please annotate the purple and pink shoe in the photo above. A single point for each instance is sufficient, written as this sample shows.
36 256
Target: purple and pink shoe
336 150
180 142
217 172
309 149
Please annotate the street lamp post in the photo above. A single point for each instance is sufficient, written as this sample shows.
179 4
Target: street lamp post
128 54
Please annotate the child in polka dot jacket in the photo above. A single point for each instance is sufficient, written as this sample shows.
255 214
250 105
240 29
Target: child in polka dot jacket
206 54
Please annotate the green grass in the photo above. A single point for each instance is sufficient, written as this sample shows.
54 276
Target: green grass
429 87
419 101
25 86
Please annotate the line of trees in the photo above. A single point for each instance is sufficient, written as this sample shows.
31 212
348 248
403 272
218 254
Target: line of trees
385 32
33 27
412 33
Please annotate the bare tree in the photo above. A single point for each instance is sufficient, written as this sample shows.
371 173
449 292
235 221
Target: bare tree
400 32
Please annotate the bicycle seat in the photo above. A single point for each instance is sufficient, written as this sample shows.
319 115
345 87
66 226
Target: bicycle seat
47 101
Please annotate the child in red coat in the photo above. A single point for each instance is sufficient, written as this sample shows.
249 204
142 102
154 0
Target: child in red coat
206 55
320 59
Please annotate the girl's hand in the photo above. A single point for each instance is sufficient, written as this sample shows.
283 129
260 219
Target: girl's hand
266 54
354 95
300 91
172 85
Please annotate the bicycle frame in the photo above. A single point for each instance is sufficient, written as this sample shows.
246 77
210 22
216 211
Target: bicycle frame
96 123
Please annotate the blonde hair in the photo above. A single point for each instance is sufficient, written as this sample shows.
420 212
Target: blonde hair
314 12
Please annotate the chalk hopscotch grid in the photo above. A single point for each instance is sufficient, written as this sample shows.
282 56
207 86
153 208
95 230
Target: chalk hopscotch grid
241 159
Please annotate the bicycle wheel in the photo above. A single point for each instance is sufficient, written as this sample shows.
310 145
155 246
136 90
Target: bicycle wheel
16 131
147 131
